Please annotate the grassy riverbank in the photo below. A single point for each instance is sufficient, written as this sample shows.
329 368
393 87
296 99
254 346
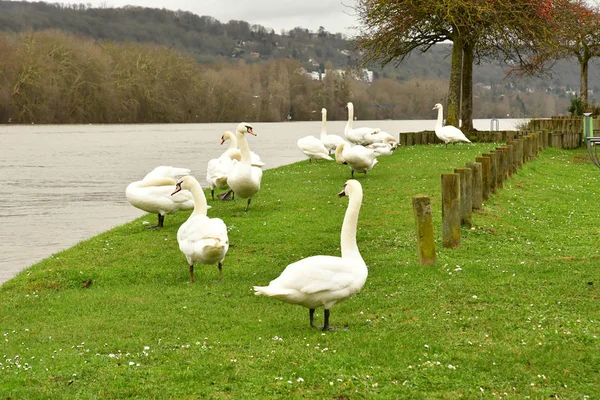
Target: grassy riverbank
513 312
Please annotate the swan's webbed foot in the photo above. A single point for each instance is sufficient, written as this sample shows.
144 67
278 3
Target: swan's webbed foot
311 313
161 221
226 196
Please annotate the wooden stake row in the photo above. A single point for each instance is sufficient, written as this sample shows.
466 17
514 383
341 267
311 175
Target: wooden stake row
465 190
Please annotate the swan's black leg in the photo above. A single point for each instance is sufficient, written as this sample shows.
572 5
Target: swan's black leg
353 173
192 273
212 193
161 221
326 326
248 205
311 313
220 265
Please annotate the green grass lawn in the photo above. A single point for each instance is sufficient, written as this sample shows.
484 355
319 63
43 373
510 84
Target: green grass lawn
513 313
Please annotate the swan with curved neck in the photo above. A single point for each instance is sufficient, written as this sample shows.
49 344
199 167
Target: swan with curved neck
152 193
356 135
202 240
359 158
448 133
244 178
323 281
313 148
330 141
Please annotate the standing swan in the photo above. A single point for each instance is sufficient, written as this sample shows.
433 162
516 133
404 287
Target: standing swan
357 135
448 133
244 178
152 194
330 141
359 158
201 239
322 281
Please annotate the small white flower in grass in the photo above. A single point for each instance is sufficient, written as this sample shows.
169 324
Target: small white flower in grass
146 347
330 383
450 366
299 380
482 389
131 363
474 296
290 382
426 346
111 355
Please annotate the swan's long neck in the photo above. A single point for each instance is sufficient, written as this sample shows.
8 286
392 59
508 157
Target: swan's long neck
244 149
323 125
440 119
233 143
200 206
348 239
350 117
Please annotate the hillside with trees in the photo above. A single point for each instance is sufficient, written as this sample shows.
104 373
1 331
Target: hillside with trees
73 64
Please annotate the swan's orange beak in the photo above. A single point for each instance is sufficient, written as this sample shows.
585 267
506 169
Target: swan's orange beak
343 192
177 188
222 140
251 131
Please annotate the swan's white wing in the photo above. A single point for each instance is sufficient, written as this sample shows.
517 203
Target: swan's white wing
158 199
217 171
199 227
315 274
255 160
166 171
331 142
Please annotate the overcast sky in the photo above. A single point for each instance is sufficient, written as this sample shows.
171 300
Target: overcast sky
334 15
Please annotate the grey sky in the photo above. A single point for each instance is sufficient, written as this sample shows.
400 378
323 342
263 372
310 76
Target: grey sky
334 15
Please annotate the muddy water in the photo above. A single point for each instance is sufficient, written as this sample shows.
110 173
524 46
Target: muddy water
63 184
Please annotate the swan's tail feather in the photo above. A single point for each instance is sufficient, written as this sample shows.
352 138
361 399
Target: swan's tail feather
270 291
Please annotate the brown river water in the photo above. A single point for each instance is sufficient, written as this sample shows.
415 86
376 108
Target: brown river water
62 184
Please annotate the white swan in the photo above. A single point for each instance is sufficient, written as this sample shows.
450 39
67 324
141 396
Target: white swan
244 179
201 239
448 133
331 142
381 149
357 135
322 281
153 193
382 137
234 153
313 148
216 174
358 157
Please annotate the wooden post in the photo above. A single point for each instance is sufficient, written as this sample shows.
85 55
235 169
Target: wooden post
425 239
499 168
485 177
476 185
504 151
493 170
466 196
520 142
450 210
510 150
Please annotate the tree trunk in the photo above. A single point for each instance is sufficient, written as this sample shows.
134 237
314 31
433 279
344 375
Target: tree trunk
454 88
583 67
467 89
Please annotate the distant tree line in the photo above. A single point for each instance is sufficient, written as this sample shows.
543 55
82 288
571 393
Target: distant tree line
55 77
